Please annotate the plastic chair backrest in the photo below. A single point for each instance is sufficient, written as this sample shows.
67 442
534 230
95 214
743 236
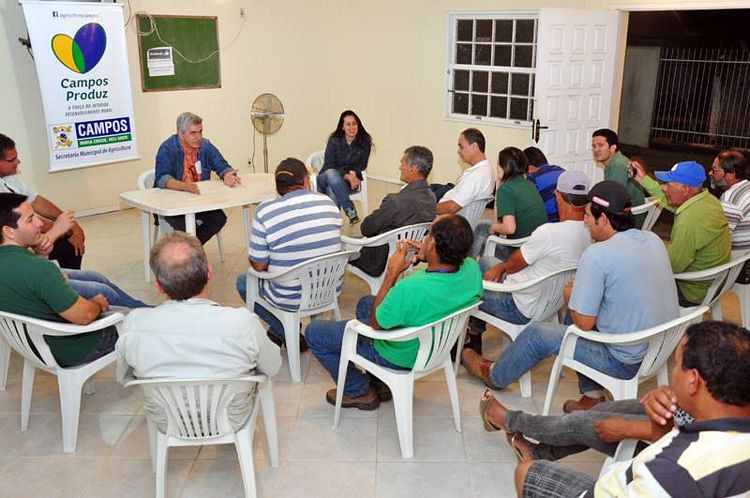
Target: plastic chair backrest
25 337
315 160
722 277
437 339
146 180
196 409
652 208
320 279
412 232
662 344
474 210
551 296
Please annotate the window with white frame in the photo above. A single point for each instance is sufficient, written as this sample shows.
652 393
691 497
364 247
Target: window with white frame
491 63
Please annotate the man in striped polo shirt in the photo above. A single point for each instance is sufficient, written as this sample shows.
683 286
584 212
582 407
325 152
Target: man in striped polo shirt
729 174
708 457
293 228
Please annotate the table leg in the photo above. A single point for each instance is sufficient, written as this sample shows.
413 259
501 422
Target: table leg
246 225
146 236
190 223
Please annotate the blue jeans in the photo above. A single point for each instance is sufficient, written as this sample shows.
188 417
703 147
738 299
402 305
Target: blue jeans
274 324
499 304
481 234
331 183
540 340
324 340
90 283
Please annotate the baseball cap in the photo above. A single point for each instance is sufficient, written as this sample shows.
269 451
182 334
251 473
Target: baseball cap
611 196
688 173
574 182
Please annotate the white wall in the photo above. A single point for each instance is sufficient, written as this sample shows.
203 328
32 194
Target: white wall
383 59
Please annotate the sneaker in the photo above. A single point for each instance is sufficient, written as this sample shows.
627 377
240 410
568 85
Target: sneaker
352 215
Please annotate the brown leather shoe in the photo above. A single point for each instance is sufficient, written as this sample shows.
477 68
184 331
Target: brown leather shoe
368 401
585 403
478 366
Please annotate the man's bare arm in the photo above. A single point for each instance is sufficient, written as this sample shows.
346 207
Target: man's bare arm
447 207
85 311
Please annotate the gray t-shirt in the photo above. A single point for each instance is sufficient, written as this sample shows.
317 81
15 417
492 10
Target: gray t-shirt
627 283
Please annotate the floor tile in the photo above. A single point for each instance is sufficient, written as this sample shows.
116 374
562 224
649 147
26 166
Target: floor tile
436 480
314 439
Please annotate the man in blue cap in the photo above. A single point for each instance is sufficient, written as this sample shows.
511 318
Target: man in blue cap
701 238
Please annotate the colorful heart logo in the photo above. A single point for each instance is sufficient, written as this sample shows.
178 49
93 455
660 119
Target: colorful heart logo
82 52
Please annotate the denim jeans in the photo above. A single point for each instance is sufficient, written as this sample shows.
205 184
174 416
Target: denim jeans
331 183
563 435
90 283
499 304
207 224
324 340
540 340
481 234
274 324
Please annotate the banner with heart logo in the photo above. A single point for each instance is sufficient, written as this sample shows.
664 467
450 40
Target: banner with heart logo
82 65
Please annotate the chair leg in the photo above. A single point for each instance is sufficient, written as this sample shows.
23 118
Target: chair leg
243 443
459 349
290 321
554 378
4 363
336 309
161 465
450 379
348 349
268 408
716 310
220 242
70 409
403 403
742 295
89 387
151 435
525 382
27 389
662 376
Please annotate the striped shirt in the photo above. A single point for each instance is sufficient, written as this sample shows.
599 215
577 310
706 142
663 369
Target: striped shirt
736 204
289 230
706 458
545 181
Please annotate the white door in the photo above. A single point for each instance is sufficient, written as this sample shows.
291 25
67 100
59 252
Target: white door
577 58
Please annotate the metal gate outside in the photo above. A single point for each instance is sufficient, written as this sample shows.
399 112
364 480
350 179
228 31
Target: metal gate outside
702 98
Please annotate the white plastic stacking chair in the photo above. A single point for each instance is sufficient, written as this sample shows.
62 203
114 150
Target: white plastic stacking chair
545 310
743 295
661 339
319 278
412 232
496 240
315 164
197 415
4 363
652 208
474 210
25 334
435 342
146 181
722 279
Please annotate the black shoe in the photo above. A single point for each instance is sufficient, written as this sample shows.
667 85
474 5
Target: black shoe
280 342
352 215
473 341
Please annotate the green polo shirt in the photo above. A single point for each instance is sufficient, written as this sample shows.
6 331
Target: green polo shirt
617 171
701 238
421 298
520 198
33 286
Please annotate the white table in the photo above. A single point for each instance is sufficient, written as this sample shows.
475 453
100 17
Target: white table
214 194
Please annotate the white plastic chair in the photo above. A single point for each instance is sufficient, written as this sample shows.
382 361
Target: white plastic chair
661 339
412 232
25 334
545 310
496 240
315 164
722 279
474 210
652 208
146 181
197 415
319 278
435 342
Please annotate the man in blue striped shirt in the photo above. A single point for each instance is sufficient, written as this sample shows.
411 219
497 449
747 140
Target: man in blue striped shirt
291 229
544 177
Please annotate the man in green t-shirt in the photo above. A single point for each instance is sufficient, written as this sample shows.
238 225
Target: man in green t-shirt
450 282
33 286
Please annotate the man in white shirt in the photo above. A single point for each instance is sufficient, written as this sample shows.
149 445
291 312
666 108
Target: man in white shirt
477 182
551 247
190 336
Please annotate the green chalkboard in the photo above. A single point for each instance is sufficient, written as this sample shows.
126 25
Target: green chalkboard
195 37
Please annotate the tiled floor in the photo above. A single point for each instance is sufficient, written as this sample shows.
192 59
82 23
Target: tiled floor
361 458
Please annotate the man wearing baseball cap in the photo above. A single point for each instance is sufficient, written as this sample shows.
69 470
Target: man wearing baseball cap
550 248
700 238
624 284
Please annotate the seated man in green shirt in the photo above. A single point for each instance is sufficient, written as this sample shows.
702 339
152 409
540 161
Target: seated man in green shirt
450 282
700 238
33 286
